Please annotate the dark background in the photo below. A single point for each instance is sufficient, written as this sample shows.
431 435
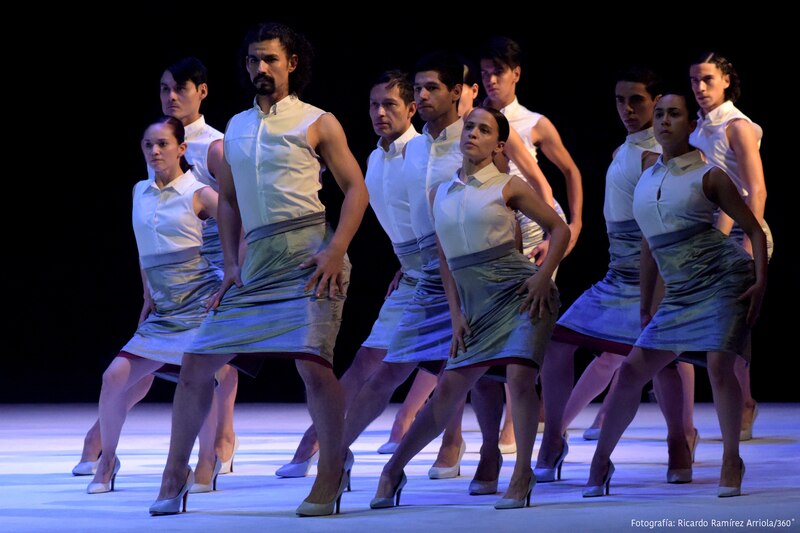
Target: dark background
86 92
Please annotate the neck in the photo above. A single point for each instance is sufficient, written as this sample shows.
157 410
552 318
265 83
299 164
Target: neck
706 111
164 179
676 150
266 101
191 119
387 140
437 125
498 103
470 166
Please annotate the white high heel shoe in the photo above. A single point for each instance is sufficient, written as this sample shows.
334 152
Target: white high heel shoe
388 447
325 509
227 466
298 469
85 468
100 488
547 475
173 505
208 487
447 472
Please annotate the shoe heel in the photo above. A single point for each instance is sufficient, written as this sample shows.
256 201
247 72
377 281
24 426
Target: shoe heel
397 497
185 497
338 503
608 486
113 479
348 481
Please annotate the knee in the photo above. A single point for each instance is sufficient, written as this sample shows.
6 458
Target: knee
608 362
113 380
366 361
631 375
314 375
720 369
195 375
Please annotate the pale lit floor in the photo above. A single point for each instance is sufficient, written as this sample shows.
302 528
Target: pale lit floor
39 445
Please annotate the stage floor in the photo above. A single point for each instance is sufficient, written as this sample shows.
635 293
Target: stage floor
39 445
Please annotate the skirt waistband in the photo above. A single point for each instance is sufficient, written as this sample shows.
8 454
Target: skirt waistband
666 239
489 254
624 226
405 248
150 261
262 232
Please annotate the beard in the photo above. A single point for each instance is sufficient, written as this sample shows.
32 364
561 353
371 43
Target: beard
265 85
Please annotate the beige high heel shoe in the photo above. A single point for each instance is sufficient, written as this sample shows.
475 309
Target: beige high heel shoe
173 505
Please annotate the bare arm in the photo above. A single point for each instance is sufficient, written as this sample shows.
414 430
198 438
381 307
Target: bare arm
718 187
459 321
229 221
327 137
546 136
205 203
648 274
540 287
517 152
744 143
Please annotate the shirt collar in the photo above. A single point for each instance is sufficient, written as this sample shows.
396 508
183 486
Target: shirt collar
510 108
646 137
682 164
481 177
180 184
716 116
397 145
195 128
453 131
281 106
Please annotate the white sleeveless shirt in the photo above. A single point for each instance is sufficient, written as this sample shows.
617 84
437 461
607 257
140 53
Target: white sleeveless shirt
623 174
275 171
164 220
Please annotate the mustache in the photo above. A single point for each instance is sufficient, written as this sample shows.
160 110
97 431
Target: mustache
265 77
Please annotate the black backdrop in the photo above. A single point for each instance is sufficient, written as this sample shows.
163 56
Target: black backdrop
85 93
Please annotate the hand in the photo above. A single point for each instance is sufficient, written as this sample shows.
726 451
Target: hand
233 276
539 251
460 328
394 284
541 297
330 264
756 296
148 307
574 231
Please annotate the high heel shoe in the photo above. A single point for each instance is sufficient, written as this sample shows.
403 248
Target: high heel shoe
591 434
86 468
324 509
695 440
388 448
510 503
507 449
173 505
227 466
603 488
297 469
481 488
680 475
349 461
208 487
393 500
727 492
447 472
746 433
546 475
100 488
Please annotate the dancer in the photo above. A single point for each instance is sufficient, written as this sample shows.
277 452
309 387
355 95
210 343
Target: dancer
294 267
494 321
731 141
713 288
391 106
183 88
167 220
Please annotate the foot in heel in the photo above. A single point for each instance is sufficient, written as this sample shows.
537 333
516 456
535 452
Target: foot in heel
212 485
591 491
394 499
546 475
297 469
735 490
514 503
99 487
173 505
227 466
447 472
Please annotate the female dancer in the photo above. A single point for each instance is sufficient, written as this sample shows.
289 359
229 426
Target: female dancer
502 306
168 213
730 140
713 289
